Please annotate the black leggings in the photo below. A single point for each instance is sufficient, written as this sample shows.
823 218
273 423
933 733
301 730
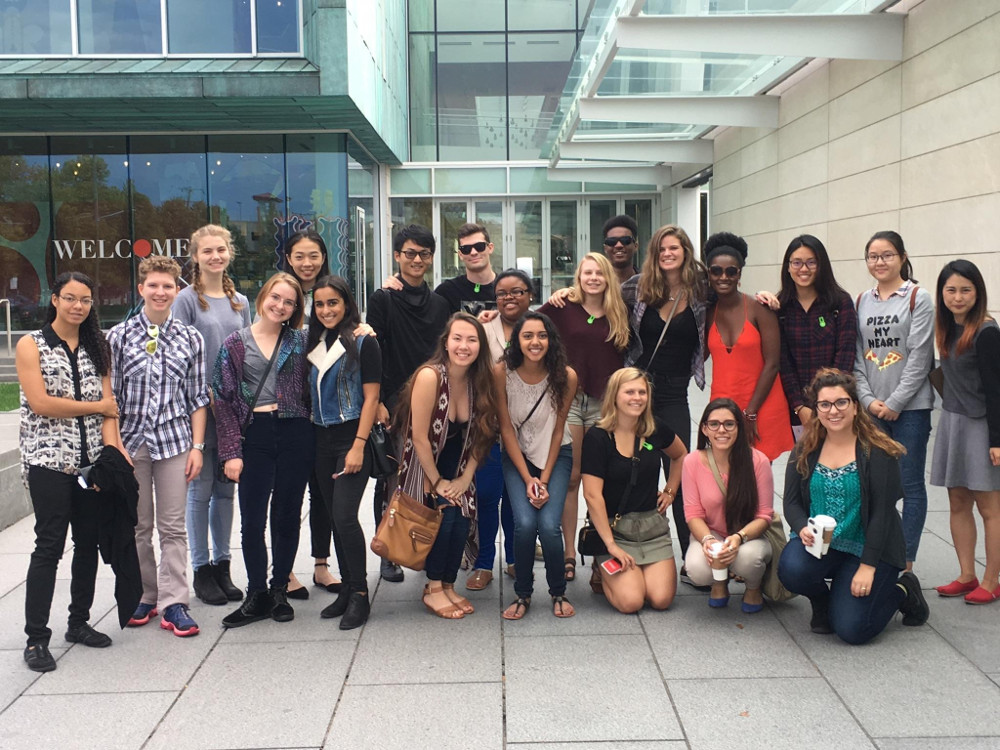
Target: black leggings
670 406
342 499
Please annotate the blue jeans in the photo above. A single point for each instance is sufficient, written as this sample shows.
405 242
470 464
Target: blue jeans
209 509
913 430
544 522
489 491
445 557
856 619
278 456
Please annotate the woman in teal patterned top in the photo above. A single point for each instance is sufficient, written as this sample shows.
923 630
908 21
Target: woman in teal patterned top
847 468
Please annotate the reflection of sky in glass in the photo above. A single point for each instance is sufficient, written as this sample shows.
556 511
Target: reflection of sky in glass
35 27
277 26
124 27
199 27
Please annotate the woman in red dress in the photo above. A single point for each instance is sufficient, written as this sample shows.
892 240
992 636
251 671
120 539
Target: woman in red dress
745 345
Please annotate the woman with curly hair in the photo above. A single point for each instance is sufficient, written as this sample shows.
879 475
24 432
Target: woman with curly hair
447 417
847 468
534 391
593 324
68 413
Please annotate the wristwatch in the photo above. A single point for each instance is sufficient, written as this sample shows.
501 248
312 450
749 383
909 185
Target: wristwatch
199 446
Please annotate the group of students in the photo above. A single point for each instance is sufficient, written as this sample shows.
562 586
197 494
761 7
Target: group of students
501 413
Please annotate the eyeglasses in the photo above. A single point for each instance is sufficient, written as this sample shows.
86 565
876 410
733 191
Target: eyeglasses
872 258
625 240
840 404
153 331
479 247
797 264
412 254
730 272
70 300
288 304
513 293
714 425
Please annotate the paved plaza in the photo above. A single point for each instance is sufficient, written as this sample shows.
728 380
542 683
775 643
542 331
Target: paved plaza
688 677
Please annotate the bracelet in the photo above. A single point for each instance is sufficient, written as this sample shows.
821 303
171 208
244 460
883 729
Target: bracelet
362 439
743 536
667 491
751 416
707 536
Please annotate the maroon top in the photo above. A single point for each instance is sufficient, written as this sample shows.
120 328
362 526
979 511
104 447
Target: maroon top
593 358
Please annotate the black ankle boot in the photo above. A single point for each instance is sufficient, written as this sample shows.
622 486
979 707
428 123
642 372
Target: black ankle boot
221 570
820 622
339 605
257 606
206 587
282 611
357 612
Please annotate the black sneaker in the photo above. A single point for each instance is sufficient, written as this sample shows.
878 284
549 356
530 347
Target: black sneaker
225 581
87 636
820 622
39 658
282 611
391 572
358 609
338 607
206 586
914 607
257 606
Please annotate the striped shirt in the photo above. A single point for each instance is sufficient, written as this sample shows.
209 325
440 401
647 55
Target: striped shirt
157 393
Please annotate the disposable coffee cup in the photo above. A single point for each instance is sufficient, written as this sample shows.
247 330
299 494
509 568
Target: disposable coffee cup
719 574
822 530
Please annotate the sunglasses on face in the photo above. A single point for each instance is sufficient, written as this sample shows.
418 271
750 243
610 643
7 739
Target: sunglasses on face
730 272
479 247
412 254
625 240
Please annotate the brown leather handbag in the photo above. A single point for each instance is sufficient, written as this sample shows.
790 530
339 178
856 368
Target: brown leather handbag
406 532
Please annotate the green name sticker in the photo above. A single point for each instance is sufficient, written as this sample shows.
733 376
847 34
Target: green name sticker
648 446
477 288
822 322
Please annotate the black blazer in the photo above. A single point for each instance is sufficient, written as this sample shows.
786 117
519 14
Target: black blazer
881 489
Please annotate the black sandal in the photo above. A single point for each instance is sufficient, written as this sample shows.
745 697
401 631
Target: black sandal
521 605
558 602
570 568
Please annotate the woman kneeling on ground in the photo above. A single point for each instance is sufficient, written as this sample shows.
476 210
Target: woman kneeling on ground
846 468
728 497
621 472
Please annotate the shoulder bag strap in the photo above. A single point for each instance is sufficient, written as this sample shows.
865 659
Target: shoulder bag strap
633 478
263 378
715 471
666 325
530 413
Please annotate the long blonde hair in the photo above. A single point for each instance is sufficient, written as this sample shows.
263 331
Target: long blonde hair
614 305
646 425
864 428
653 289
196 281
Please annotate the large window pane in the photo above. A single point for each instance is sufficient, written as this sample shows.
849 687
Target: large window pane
537 70
535 16
641 209
24 229
472 15
217 27
169 191
421 15
472 97
91 232
35 27
528 241
362 187
246 189
122 27
453 215
406 211
562 242
277 26
459 181
423 103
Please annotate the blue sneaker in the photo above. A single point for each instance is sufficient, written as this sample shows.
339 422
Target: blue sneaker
142 614
176 618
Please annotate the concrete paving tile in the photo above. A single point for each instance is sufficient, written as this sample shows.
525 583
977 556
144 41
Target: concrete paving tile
13 570
262 695
594 616
107 721
732 636
939 522
20 537
995 678
17 677
776 713
167 662
935 743
12 612
971 630
399 717
908 682
307 625
436 650
651 745
550 701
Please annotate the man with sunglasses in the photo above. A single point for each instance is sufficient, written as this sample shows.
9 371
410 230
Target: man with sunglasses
472 292
621 241
159 380
408 319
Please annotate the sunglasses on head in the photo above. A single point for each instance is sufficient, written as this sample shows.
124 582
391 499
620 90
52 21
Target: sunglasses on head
479 247
730 272
626 240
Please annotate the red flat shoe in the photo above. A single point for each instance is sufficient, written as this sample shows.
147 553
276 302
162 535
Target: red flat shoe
983 596
957 588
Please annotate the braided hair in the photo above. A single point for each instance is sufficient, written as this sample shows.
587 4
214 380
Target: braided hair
228 286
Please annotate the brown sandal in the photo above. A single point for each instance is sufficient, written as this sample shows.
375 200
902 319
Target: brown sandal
596 582
520 605
449 612
570 568
559 604
458 600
